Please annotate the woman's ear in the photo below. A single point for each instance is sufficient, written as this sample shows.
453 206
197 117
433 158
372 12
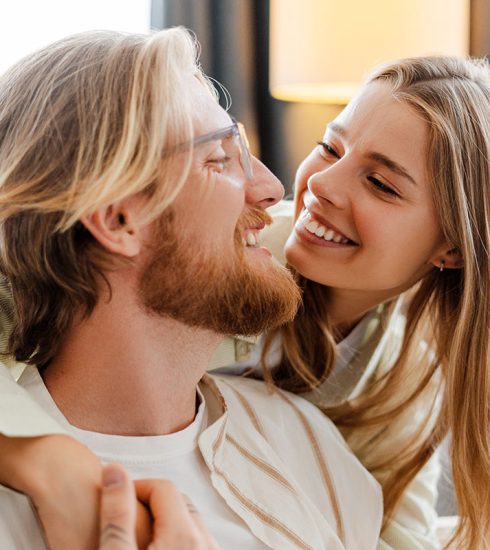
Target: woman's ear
449 259
116 227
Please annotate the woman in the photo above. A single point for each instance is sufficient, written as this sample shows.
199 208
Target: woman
391 248
390 245
414 237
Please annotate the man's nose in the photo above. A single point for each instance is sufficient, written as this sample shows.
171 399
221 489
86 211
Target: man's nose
264 189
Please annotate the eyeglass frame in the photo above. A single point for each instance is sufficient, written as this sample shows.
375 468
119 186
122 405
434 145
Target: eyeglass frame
238 130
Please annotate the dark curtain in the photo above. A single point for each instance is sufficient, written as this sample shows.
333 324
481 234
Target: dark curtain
234 35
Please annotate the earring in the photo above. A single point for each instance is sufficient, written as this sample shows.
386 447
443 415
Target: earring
441 267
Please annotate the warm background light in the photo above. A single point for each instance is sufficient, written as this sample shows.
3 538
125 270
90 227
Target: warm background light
320 50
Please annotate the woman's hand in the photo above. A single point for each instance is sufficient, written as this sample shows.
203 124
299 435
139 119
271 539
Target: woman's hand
63 479
176 523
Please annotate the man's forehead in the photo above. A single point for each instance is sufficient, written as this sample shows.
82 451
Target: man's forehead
208 116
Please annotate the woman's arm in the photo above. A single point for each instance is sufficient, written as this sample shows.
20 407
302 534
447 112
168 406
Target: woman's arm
60 475
37 458
63 479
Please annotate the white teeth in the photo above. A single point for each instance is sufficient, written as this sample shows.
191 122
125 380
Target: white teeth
251 239
319 230
312 226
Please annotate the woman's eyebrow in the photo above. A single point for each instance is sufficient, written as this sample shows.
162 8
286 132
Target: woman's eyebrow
377 157
391 165
337 128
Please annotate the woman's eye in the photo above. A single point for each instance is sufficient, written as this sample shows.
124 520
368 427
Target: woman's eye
328 149
380 186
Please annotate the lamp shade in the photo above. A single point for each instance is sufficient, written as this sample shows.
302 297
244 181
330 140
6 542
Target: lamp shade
320 50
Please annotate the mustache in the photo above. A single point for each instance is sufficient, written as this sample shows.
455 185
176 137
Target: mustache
251 218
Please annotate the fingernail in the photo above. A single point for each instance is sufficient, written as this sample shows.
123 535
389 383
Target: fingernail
111 476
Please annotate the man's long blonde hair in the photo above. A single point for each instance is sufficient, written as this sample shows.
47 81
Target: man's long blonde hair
84 123
450 310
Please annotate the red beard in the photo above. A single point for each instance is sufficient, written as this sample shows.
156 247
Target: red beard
227 295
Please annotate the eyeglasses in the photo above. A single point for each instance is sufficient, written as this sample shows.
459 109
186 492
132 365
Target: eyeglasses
236 130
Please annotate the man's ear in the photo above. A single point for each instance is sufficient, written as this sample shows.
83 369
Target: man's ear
448 259
116 227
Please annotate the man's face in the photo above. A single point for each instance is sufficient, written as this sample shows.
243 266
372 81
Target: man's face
203 266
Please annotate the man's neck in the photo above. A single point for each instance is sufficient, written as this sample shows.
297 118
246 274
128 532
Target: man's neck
125 372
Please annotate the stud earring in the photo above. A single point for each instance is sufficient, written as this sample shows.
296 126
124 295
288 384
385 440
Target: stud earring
441 267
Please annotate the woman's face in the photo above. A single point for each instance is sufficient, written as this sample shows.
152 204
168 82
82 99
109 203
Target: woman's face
366 220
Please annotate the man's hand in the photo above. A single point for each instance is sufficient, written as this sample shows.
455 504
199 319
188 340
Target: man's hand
176 523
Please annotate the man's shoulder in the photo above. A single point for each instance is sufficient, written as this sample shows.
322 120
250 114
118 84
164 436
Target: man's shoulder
257 399
293 437
256 390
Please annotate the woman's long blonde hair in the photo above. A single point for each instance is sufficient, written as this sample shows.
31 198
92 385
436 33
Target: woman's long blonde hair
449 310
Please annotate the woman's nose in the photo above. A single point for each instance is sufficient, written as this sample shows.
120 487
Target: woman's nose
330 185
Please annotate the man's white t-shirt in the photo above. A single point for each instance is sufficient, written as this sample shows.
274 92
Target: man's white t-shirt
175 457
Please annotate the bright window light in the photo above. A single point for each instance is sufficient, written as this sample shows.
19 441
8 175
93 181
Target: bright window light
27 25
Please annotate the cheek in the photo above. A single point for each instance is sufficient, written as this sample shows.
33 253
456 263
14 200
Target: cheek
299 258
210 211
311 263
306 169
402 245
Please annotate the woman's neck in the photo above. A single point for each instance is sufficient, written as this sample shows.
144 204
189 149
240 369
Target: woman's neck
346 308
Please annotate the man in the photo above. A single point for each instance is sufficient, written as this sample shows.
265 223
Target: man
130 211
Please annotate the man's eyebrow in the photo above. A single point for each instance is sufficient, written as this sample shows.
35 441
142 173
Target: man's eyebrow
377 157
